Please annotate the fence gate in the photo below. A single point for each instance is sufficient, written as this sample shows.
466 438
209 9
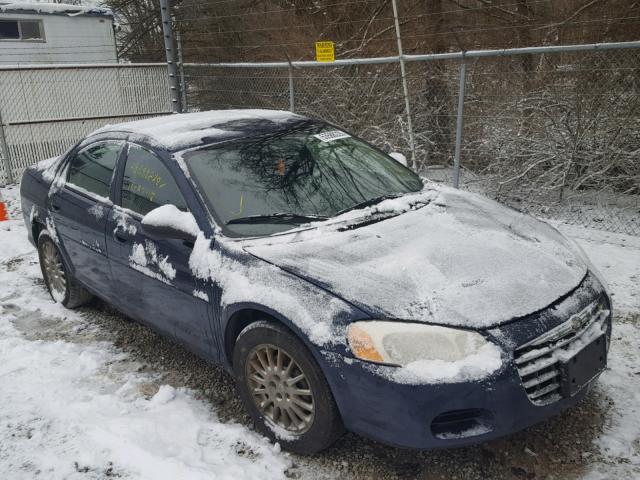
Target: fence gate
44 110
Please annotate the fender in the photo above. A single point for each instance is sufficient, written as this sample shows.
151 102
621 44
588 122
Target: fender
229 311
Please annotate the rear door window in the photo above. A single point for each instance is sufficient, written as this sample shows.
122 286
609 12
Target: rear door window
91 168
147 183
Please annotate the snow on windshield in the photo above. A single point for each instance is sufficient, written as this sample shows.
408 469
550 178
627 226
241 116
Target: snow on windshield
311 170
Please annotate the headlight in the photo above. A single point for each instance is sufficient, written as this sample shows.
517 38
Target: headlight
400 344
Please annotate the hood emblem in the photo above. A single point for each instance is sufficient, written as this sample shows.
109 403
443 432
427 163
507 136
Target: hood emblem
578 322
575 324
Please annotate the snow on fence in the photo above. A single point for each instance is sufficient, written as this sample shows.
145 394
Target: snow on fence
45 109
551 130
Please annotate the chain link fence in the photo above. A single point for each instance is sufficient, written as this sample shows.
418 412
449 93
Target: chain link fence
44 110
555 133
558 135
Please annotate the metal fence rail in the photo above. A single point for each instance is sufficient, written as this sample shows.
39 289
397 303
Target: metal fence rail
47 108
552 130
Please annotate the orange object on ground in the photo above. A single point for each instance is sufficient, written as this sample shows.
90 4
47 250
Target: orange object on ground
4 215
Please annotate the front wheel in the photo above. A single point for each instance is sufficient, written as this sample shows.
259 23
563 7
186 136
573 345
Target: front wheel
284 390
61 285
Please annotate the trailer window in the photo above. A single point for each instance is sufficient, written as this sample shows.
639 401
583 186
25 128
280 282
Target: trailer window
21 30
9 30
31 30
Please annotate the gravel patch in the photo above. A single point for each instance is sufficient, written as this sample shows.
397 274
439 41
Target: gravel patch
560 448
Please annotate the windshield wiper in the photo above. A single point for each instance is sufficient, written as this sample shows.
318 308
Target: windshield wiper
370 202
278 218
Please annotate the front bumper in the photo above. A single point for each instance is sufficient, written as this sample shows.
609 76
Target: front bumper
417 416
454 414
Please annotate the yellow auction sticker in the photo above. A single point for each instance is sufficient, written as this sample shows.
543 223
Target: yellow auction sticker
325 52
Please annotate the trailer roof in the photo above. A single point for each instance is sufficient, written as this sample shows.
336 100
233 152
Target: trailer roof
54 9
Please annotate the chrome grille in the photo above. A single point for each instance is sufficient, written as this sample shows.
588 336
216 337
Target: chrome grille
538 360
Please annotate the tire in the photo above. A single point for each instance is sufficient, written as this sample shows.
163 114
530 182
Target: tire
62 287
285 416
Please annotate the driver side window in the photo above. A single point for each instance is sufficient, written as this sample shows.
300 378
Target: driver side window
147 183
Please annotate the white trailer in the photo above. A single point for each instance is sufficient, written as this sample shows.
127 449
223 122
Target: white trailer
45 33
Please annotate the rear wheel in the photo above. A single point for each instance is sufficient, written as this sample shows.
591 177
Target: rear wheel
284 390
62 287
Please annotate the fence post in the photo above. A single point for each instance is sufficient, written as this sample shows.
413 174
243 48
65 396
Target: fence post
183 85
405 89
4 151
459 123
292 96
167 33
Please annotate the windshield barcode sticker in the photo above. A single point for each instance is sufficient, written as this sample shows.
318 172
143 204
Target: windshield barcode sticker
331 135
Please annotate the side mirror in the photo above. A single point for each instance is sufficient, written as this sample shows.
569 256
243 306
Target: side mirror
168 221
399 157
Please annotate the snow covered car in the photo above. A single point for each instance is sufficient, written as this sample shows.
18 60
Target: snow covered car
339 288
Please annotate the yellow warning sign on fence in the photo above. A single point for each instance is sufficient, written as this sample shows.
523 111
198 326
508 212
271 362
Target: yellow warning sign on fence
325 52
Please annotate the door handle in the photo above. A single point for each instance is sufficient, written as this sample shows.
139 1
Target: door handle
120 236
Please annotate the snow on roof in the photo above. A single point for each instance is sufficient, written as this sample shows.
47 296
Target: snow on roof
189 129
53 9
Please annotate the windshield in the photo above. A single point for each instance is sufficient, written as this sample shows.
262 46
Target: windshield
274 182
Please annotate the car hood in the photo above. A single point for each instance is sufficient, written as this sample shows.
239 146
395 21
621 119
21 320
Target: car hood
460 260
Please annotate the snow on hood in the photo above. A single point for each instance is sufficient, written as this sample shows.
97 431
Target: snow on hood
461 260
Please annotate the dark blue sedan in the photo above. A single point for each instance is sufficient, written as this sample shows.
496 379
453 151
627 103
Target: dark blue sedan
339 288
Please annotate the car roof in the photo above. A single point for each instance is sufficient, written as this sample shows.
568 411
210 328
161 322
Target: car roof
186 130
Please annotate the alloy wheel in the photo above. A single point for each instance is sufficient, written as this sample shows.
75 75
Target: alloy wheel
54 271
280 389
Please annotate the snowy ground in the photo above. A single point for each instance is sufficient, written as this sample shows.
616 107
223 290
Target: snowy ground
81 409
87 394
